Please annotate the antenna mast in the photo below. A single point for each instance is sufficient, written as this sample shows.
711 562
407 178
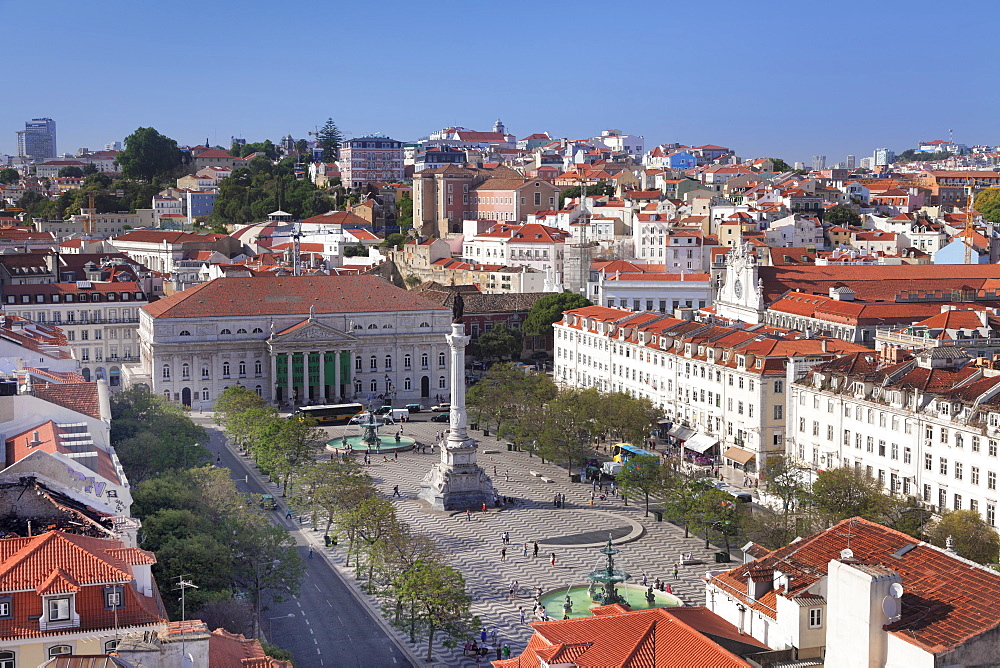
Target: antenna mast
970 228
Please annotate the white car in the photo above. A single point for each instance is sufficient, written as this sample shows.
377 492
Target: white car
441 407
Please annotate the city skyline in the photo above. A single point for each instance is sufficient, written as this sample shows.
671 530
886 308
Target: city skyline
781 83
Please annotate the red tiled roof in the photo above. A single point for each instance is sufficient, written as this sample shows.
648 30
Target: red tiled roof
946 600
159 237
613 637
337 218
261 296
80 397
232 650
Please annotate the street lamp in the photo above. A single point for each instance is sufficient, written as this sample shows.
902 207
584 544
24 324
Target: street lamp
257 588
193 445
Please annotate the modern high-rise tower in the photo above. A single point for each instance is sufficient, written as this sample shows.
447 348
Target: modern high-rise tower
38 139
818 163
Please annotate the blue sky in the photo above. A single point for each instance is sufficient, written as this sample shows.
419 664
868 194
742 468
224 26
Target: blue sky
775 78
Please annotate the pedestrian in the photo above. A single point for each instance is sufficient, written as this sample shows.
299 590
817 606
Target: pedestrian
555 501
643 579
538 594
534 550
552 559
506 537
499 652
395 491
310 551
506 476
503 554
520 610
494 471
675 572
506 651
288 514
484 507
524 549
670 589
482 635
468 514
495 635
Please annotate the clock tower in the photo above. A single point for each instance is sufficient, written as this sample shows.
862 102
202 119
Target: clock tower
741 294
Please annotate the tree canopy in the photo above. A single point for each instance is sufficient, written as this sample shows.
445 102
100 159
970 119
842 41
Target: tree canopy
329 139
974 539
71 171
148 154
9 175
596 190
841 215
987 202
261 187
266 147
498 344
549 309
780 166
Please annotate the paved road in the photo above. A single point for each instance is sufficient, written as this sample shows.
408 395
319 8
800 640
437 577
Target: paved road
329 626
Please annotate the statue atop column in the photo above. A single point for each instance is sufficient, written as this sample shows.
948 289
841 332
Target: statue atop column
457 309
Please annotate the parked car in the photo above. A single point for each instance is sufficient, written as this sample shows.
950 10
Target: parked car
383 410
267 502
441 417
441 407
414 408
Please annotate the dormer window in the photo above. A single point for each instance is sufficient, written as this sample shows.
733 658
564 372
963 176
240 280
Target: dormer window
114 597
59 612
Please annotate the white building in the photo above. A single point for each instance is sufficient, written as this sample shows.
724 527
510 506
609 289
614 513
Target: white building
927 426
859 595
531 245
649 290
362 337
99 318
718 386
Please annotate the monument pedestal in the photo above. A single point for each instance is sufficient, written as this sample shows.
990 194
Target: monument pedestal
457 482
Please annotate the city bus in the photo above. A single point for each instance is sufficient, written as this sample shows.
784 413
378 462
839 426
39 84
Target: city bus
622 452
332 414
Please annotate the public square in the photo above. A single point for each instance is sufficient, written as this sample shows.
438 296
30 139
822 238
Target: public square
573 533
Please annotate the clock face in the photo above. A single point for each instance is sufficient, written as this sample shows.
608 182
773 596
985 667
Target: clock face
738 288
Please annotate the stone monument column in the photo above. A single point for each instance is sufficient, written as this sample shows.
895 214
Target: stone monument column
457 482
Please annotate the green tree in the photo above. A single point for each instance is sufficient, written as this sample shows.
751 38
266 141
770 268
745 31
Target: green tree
681 496
329 139
498 343
568 426
987 202
640 475
549 309
412 281
358 250
72 172
602 189
844 492
302 147
717 511
437 594
148 154
627 418
841 215
90 169
330 486
780 166
9 175
404 213
235 399
394 240
974 538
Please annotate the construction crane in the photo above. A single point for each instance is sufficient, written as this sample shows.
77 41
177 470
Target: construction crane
970 228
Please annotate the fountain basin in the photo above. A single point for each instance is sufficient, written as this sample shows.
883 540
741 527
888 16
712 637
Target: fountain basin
357 445
579 596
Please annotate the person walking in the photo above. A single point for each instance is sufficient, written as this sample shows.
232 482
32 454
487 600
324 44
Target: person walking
395 491
484 507
644 579
288 514
482 635
506 476
675 572
534 550
552 559
524 549
310 551
468 514
503 554
506 537
520 611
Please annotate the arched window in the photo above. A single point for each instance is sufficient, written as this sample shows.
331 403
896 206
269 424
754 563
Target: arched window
357 364
204 394
166 372
258 368
387 326
407 362
441 383
258 330
356 326
373 363
424 361
225 369
373 326
7 659
166 394
243 368
241 331
184 332
259 390
59 650
226 331
425 324
440 359
374 386
388 362
204 372
185 371
357 386
407 385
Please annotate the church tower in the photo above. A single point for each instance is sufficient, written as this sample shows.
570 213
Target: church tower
498 127
741 295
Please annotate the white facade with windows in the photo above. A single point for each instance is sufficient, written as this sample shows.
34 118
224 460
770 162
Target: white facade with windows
928 427
100 320
725 386
363 339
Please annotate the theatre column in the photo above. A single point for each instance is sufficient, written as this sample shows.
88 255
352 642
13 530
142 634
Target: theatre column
274 377
305 377
322 376
288 374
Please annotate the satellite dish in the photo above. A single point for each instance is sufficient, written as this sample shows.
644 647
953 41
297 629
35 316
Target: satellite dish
896 590
890 606
847 553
